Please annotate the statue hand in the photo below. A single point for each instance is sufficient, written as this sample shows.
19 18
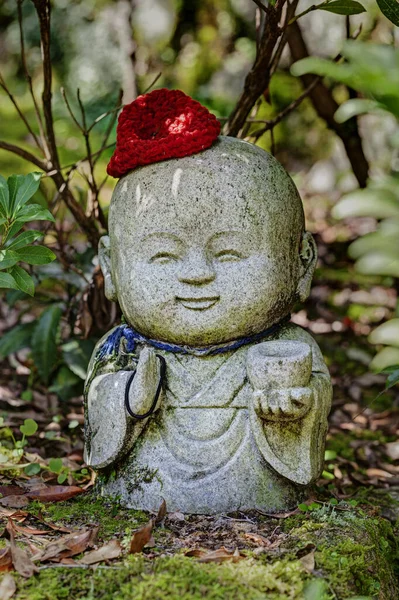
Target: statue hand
146 381
284 404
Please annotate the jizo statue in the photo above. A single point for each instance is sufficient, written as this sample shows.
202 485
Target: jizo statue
207 396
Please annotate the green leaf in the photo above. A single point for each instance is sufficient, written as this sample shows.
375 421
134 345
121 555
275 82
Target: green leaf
32 469
55 465
8 258
22 188
62 477
24 281
303 507
390 9
8 281
73 424
355 107
34 212
76 355
17 338
44 341
343 7
29 427
66 384
26 238
35 255
330 455
4 197
392 379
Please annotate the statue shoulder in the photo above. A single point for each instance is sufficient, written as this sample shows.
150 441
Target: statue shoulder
110 354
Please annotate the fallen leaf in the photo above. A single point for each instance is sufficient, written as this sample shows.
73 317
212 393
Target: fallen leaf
14 501
11 490
17 515
5 559
8 587
112 549
378 473
217 556
195 553
55 493
68 545
20 559
161 513
258 539
392 450
308 561
24 530
141 537
40 518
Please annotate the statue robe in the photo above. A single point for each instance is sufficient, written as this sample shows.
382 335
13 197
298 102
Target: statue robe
205 450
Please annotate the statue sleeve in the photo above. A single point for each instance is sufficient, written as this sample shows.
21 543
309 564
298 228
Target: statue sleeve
295 449
109 432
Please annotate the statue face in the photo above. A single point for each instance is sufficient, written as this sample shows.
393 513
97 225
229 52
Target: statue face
201 256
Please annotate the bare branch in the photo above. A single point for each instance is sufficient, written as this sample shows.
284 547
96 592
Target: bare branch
43 9
258 79
24 154
28 78
21 115
153 83
260 5
270 125
71 113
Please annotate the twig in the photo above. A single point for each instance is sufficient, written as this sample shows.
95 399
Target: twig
43 9
260 5
71 113
287 110
29 81
153 83
24 154
21 115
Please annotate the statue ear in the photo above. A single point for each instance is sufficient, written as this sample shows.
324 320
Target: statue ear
308 260
104 257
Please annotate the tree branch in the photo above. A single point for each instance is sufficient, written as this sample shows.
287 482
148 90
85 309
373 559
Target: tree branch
24 154
326 107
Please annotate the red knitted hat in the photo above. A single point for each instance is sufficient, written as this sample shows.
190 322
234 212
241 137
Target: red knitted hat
158 126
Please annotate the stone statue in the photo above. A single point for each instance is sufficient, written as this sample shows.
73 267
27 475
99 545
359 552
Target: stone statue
208 396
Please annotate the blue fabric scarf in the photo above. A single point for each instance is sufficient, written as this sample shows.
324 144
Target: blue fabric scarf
132 337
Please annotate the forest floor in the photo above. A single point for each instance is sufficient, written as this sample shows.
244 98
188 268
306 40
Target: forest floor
60 539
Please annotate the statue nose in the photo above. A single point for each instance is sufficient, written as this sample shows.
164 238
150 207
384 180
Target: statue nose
196 270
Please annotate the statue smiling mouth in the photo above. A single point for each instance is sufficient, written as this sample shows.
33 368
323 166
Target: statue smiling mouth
198 303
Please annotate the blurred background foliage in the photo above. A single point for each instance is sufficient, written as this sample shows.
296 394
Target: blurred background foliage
206 48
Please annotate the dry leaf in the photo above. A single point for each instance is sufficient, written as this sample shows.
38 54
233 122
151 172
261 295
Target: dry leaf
112 549
14 501
24 530
141 537
8 587
217 556
308 561
195 552
5 559
378 473
55 493
20 559
258 539
283 515
10 490
161 513
68 545
392 450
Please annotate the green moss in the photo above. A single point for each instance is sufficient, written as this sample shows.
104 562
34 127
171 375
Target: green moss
355 555
93 510
170 578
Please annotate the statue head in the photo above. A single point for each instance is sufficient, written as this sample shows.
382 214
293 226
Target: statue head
207 248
